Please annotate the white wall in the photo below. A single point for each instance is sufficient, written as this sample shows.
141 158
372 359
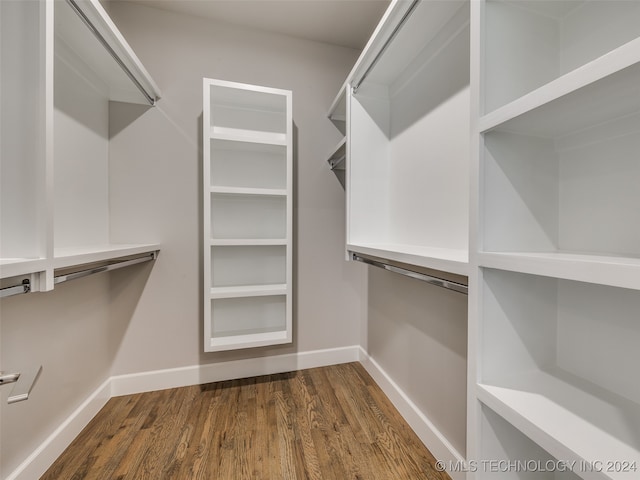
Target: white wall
156 183
417 334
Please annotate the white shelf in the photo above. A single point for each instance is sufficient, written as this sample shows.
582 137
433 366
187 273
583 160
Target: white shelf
443 259
571 422
250 136
12 267
248 291
408 143
249 191
604 89
616 271
74 256
525 45
247 242
236 340
70 30
338 110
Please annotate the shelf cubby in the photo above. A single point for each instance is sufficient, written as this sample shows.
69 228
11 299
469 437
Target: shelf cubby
408 171
248 321
549 347
248 164
508 454
560 182
528 44
248 265
244 107
248 216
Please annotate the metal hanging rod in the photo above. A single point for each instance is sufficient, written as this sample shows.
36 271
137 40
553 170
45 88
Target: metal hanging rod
104 268
334 163
440 282
76 8
24 287
356 85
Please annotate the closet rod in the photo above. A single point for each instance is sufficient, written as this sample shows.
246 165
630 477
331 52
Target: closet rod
405 17
76 8
440 282
105 268
334 162
24 287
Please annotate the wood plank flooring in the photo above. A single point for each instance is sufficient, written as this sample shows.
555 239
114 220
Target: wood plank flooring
331 423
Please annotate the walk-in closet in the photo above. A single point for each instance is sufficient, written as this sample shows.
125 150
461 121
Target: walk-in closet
328 239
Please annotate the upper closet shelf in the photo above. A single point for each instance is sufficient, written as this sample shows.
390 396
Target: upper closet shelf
598 91
278 192
87 31
251 136
338 110
75 256
617 271
442 259
13 267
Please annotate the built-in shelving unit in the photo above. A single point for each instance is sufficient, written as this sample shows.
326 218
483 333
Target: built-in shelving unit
56 86
555 312
408 138
247 174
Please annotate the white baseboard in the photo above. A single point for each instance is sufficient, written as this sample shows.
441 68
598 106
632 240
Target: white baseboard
432 438
216 372
43 457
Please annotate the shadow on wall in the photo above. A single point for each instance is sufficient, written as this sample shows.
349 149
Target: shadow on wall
121 115
125 291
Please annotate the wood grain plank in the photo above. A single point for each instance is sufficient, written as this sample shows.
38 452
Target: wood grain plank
324 423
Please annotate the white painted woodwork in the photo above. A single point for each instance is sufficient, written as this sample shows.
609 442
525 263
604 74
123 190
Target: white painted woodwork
247 172
556 237
408 140
57 81
558 37
24 166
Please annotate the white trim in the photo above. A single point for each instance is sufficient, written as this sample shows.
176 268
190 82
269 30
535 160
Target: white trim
432 438
48 451
215 372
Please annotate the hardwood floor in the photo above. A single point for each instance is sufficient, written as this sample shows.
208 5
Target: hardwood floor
331 423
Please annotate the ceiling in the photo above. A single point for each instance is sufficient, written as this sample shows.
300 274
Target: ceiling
347 23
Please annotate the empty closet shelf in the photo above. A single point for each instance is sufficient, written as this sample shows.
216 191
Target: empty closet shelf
87 27
249 191
12 267
248 291
76 256
247 242
251 136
